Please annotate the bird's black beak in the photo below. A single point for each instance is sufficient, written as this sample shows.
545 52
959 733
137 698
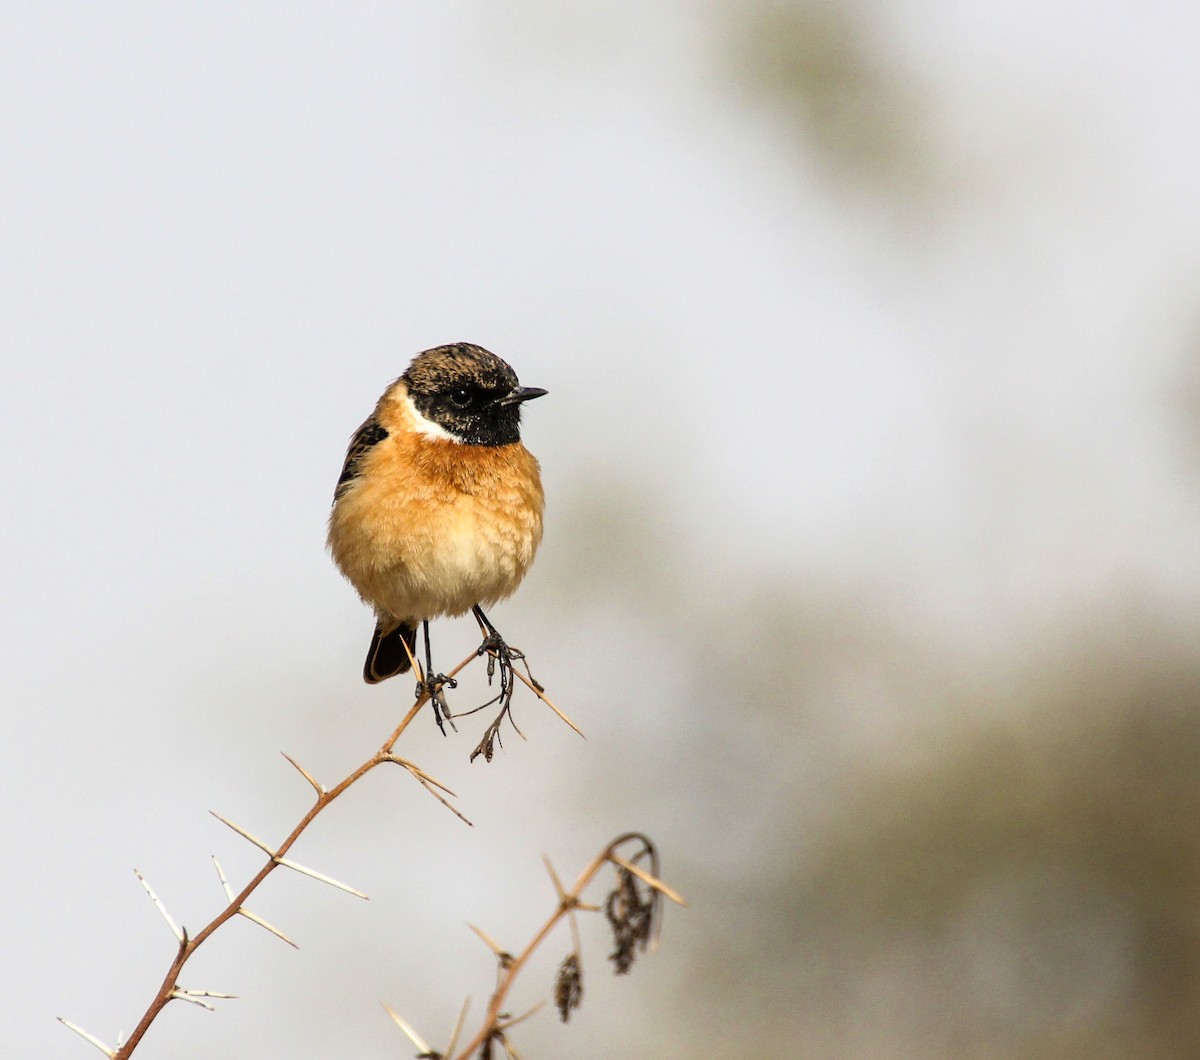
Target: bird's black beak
522 393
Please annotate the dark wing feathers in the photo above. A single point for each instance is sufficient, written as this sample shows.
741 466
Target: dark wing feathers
368 435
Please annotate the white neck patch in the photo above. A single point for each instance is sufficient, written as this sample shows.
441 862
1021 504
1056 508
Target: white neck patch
426 427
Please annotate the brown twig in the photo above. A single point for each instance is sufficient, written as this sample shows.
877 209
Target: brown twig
494 1021
495 1024
170 990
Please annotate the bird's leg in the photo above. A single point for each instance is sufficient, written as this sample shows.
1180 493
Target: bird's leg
495 648
433 684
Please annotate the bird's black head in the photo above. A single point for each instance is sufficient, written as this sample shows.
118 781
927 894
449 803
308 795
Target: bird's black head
470 393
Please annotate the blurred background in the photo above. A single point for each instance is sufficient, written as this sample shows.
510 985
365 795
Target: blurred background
870 571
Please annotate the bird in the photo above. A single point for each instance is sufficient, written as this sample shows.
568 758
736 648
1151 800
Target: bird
438 509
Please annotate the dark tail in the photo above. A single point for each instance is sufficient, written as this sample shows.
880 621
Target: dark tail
386 657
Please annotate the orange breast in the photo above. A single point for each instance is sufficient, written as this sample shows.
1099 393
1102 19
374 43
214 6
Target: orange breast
432 527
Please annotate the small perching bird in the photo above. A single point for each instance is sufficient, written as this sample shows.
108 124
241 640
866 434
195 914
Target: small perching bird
438 510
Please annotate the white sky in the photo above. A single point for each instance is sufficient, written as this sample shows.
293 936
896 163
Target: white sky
226 227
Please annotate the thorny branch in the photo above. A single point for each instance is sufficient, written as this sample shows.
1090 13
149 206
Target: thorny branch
633 913
188 944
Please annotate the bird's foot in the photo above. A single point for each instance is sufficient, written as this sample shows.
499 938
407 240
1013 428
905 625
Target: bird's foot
496 648
433 686
501 656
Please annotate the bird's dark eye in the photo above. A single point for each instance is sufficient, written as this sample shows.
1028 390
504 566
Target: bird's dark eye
460 397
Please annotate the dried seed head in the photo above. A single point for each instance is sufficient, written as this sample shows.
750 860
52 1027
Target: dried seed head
631 914
568 987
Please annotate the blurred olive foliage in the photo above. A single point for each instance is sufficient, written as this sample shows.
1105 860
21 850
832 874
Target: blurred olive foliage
1029 888
1022 877
824 73
893 851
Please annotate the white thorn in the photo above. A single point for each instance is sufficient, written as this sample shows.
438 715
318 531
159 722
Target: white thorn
429 784
412 1035
504 1025
160 907
458 1026
490 943
305 774
304 871
445 802
221 876
87 1037
179 996
546 699
263 924
197 997
244 834
419 773
558 887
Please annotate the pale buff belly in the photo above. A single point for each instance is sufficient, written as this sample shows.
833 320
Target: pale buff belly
463 554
